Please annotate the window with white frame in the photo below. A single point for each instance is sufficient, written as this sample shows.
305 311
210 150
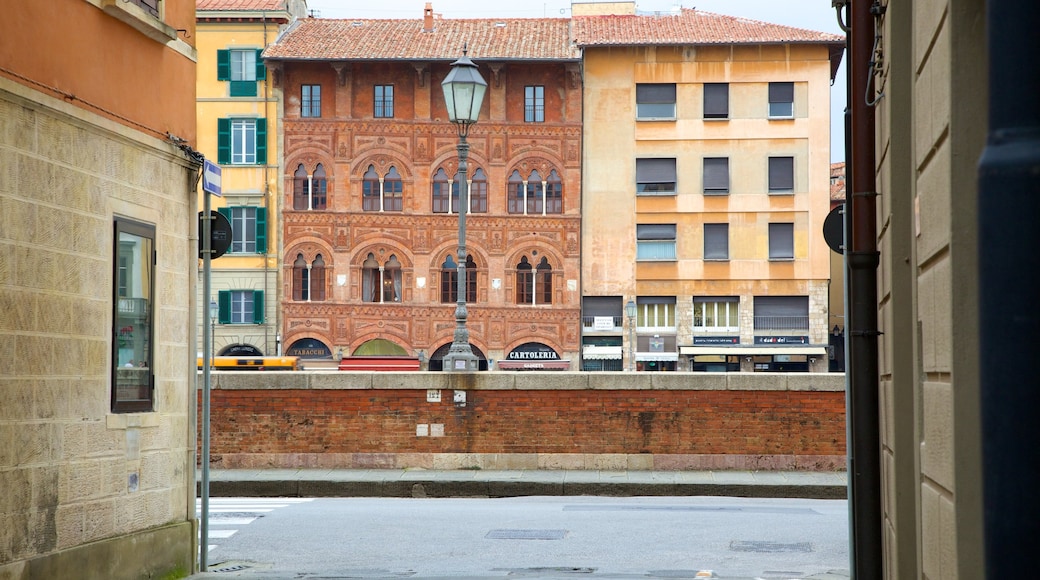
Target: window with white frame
655 101
655 242
716 313
781 100
240 306
655 176
781 241
655 313
242 141
716 242
242 68
248 229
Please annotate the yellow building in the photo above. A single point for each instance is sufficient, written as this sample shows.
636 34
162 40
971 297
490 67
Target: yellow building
237 112
705 185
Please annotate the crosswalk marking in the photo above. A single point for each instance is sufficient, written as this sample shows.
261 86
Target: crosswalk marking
238 511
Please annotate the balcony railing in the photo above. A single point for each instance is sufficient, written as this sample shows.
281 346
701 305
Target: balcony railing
781 323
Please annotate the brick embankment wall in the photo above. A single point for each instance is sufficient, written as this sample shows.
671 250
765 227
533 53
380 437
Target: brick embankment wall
528 421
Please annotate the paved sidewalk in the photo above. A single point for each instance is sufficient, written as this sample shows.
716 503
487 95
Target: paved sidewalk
494 483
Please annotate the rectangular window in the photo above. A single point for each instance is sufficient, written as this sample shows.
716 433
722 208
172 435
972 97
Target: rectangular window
384 101
781 241
240 307
716 241
310 101
716 175
781 175
534 104
781 313
655 101
655 312
242 68
781 100
242 141
716 314
133 314
150 6
716 100
655 176
655 242
248 229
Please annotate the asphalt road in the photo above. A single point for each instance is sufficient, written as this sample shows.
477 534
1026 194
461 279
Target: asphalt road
528 537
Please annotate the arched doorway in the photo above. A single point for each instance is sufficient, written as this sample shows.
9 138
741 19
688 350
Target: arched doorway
437 358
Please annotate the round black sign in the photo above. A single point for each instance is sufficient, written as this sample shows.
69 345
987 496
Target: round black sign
834 229
220 235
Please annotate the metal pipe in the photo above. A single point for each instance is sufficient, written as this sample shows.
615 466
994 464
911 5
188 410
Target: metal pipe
862 256
1009 316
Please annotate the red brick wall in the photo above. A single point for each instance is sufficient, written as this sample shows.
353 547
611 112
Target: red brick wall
663 422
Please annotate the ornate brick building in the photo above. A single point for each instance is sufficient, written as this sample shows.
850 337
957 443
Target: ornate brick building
370 210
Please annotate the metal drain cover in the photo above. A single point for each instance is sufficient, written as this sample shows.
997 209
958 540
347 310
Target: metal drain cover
769 547
526 534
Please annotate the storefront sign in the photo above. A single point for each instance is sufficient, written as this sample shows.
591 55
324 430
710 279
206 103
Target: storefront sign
781 340
308 348
603 323
716 340
533 351
656 344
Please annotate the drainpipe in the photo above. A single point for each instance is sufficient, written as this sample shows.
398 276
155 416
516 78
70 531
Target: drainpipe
1009 317
862 258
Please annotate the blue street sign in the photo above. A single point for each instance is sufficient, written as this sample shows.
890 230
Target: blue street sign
211 177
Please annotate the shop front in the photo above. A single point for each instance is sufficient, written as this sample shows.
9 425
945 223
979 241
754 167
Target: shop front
534 356
746 358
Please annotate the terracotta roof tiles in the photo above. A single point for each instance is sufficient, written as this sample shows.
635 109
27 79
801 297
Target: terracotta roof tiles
363 39
239 5
688 26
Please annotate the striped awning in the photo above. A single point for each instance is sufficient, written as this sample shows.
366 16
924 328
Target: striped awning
593 352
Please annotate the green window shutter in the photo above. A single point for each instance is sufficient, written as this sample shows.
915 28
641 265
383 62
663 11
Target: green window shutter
258 306
224 307
223 65
261 141
261 230
261 70
243 89
224 141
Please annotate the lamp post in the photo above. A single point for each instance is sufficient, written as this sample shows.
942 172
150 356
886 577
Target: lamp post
630 310
464 90
214 310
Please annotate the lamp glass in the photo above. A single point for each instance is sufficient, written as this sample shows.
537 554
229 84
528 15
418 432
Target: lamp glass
213 309
464 90
630 308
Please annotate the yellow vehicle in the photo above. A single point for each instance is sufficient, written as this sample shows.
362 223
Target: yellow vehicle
254 363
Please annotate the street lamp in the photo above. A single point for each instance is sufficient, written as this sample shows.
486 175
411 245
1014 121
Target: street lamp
630 310
213 311
464 90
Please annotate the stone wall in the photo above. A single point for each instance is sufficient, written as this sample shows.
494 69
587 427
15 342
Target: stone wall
530 420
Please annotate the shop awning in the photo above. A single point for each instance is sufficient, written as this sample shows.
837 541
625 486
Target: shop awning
753 350
593 352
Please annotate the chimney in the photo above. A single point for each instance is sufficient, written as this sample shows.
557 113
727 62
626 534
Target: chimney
428 17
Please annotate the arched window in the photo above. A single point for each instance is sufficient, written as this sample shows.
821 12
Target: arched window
393 191
319 188
441 192
392 280
381 283
309 191
535 194
515 193
450 280
370 190
300 279
533 284
553 193
478 201
300 183
318 279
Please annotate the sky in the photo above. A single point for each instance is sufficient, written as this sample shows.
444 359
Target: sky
810 14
